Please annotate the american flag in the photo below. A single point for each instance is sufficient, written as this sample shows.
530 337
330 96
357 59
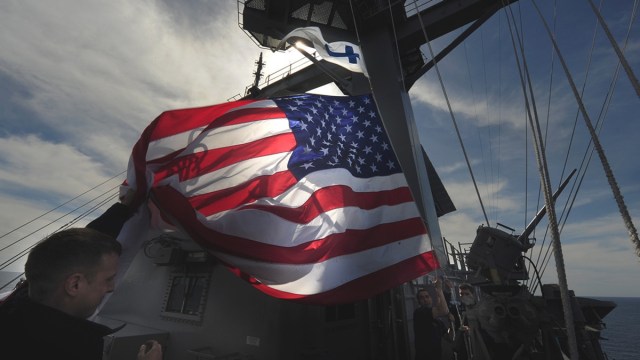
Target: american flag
302 196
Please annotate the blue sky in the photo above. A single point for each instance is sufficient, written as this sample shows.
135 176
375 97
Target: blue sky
79 81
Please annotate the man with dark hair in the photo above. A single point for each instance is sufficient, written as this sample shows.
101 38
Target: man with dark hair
427 329
68 274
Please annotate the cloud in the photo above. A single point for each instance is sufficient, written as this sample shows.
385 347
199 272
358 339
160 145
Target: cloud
110 75
47 167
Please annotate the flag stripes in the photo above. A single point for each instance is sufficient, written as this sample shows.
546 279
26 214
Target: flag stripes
302 196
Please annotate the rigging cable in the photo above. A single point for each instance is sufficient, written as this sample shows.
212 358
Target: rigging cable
568 151
633 233
59 206
601 117
546 132
616 48
453 119
573 130
68 224
544 175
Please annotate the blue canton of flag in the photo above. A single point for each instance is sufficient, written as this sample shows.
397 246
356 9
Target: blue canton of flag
338 132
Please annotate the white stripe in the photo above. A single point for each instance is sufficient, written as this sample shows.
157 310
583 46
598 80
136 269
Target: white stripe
255 105
167 145
299 194
237 134
309 279
234 174
271 229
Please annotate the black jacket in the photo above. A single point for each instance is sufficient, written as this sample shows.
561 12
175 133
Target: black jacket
32 331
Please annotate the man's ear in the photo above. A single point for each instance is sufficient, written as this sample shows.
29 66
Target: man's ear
72 284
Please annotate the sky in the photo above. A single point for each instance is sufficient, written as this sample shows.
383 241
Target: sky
80 80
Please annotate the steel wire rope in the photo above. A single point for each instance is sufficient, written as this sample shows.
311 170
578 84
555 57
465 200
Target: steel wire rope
571 138
25 251
66 214
623 60
61 205
22 252
622 207
453 118
544 177
475 114
601 118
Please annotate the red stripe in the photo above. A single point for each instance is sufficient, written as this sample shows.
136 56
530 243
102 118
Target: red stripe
335 197
351 241
361 288
174 122
247 192
233 118
203 162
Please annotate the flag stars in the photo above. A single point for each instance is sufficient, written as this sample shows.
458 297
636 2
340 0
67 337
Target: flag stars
309 117
338 132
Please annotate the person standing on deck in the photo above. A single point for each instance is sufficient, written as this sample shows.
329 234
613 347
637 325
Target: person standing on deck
427 329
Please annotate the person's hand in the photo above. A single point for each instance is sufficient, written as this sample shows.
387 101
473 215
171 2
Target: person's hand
151 350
